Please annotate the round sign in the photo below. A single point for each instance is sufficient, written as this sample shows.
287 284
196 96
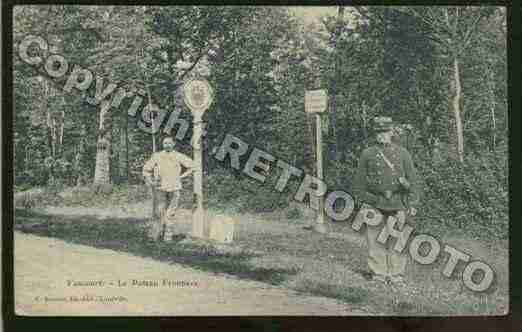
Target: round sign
198 95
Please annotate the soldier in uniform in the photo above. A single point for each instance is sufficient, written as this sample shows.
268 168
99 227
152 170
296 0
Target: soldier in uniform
164 171
386 180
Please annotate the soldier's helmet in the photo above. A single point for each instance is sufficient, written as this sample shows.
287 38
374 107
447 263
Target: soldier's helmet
382 123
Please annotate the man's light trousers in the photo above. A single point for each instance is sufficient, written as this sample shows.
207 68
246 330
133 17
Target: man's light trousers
383 260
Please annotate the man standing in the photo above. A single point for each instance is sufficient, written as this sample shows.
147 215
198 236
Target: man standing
386 180
164 172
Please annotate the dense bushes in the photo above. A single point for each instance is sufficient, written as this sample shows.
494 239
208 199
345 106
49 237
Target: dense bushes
35 197
115 195
243 194
86 196
471 196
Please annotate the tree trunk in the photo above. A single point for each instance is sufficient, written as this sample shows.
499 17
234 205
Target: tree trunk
457 96
50 136
332 141
332 112
123 152
79 156
103 146
310 151
48 119
77 161
494 126
61 130
492 105
26 158
55 123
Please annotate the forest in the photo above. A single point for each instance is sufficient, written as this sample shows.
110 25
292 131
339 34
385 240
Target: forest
439 72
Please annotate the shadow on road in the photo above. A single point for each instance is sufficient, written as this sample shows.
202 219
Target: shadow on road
129 235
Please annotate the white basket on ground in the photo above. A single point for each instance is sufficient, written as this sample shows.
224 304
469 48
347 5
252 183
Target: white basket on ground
222 229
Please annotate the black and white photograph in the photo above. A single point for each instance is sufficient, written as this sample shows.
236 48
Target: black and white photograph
219 160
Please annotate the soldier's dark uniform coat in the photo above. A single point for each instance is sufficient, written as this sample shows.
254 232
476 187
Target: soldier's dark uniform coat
374 177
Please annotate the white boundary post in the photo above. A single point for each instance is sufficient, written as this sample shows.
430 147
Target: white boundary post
198 96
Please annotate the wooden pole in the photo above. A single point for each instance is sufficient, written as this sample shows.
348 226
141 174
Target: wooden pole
319 225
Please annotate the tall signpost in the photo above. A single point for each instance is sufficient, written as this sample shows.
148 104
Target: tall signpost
316 102
198 96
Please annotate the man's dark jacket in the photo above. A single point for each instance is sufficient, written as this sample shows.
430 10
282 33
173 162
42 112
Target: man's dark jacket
375 176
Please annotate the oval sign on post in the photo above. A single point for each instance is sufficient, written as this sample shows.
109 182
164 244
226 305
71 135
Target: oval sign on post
198 95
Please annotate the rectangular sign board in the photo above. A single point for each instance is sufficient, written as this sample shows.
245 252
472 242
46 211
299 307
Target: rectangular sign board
316 101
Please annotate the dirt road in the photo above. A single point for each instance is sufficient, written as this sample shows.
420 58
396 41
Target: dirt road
53 277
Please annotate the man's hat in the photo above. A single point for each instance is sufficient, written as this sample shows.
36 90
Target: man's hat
382 123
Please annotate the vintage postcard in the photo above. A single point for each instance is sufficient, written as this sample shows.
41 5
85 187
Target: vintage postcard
260 160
